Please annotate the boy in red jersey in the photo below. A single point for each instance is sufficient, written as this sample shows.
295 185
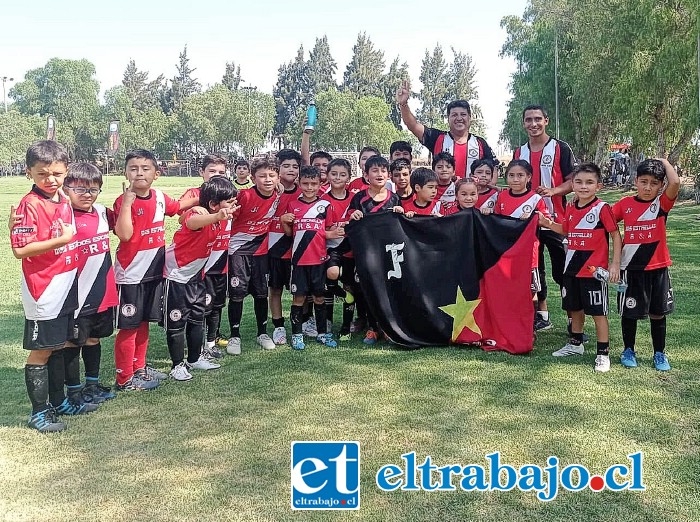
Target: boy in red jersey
361 183
40 238
424 184
280 245
309 219
467 197
185 288
482 171
444 167
140 226
588 222
400 171
248 260
645 258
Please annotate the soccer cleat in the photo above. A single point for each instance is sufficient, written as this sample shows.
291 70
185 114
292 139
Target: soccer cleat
279 335
138 384
569 349
234 346
221 342
370 337
203 363
345 337
212 352
298 342
73 406
97 393
180 373
602 363
152 373
46 422
628 358
309 328
661 362
327 340
542 324
358 325
265 342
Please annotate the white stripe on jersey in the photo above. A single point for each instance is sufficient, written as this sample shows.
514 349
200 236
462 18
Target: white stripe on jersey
137 268
88 275
591 219
490 202
181 274
238 240
526 207
50 303
652 212
311 213
546 168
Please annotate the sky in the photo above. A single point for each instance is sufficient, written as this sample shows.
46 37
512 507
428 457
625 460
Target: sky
258 36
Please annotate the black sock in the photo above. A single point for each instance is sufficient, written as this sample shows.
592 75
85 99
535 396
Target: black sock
348 313
328 300
36 377
602 348
176 345
260 305
91 360
308 309
278 323
658 334
629 332
296 316
576 338
320 313
195 338
71 364
57 378
235 312
213 320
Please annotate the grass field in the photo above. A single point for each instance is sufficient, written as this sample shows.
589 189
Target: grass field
218 447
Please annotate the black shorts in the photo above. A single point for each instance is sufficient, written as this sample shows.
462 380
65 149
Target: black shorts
280 273
584 293
140 303
309 280
535 284
184 303
247 274
49 334
648 292
94 326
215 288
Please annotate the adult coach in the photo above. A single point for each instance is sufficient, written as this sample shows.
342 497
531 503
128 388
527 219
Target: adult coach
458 141
552 166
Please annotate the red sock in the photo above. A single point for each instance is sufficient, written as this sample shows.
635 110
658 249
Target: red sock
141 347
124 347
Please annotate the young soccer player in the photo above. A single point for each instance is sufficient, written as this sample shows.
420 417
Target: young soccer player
248 260
241 180
140 226
645 258
309 220
467 197
361 183
320 160
424 184
400 171
401 150
280 245
374 199
185 289
444 167
587 223
49 277
482 171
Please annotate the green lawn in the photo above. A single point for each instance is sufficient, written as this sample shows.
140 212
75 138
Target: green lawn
218 447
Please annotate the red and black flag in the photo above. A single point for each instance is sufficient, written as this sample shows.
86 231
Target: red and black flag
463 278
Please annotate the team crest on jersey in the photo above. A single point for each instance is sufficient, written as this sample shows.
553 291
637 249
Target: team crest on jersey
527 209
320 208
630 302
490 203
473 153
546 160
652 208
175 315
128 310
235 282
590 218
207 299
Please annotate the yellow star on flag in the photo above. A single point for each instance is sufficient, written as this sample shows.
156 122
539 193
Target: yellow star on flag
462 313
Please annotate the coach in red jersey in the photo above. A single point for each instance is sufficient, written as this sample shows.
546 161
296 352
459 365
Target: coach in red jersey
458 141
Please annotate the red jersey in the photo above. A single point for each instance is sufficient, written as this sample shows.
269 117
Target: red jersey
141 258
49 280
431 209
487 199
218 259
446 193
450 208
587 229
187 255
515 205
311 219
464 154
97 289
340 212
644 245
189 194
280 245
323 189
251 222
357 184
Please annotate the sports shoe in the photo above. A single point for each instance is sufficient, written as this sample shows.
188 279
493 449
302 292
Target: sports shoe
234 346
279 335
327 340
345 337
46 422
298 342
180 373
73 406
569 349
358 325
138 384
97 393
602 363
221 342
370 337
212 352
661 362
203 363
309 327
265 342
628 358
152 373
542 324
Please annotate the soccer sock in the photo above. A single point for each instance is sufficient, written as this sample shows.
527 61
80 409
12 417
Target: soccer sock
57 378
124 348
260 305
141 346
629 332
212 321
328 298
296 316
658 334
195 336
176 345
91 360
235 312
36 377
348 313
278 323
71 364
218 322
576 338
308 308
602 348
320 313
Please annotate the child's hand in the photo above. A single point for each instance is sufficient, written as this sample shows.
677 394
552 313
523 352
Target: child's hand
614 270
409 214
335 233
356 215
280 188
525 216
129 194
303 126
15 219
224 213
398 209
543 221
66 231
200 211
287 218
486 211
545 192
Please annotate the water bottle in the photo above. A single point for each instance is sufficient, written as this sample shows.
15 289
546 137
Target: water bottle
311 114
601 274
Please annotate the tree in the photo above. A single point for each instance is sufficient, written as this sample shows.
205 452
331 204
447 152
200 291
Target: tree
292 94
183 84
321 66
144 94
232 76
363 74
17 131
390 81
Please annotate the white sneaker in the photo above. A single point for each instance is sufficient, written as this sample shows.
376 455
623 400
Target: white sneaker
208 345
180 373
234 346
265 342
569 349
602 363
203 363
279 336
309 327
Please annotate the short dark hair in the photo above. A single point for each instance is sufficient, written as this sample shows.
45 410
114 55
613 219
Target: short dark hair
376 161
320 154
463 181
264 162
216 190
402 146
368 149
422 176
478 163
46 151
288 154
399 164
241 163
83 173
462 104
589 167
535 108
444 156
651 167
307 171
340 162
141 154
212 159
519 163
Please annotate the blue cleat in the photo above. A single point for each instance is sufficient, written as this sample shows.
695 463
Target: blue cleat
298 342
46 422
628 358
327 340
661 362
